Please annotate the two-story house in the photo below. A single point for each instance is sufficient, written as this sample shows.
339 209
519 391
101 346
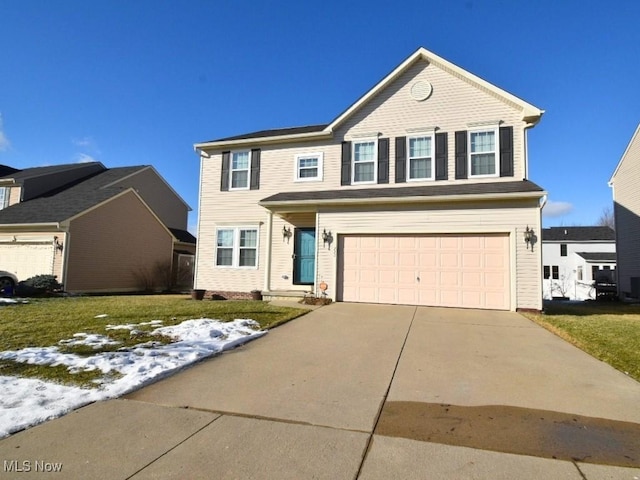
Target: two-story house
573 258
96 229
417 194
626 207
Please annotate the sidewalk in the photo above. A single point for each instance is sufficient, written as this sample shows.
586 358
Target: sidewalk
340 394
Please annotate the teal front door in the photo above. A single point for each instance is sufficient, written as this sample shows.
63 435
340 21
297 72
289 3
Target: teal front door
304 256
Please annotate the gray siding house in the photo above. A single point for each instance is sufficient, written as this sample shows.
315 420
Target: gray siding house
625 183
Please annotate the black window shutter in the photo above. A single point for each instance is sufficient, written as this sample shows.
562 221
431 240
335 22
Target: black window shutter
255 169
383 160
401 159
461 154
506 151
224 177
345 176
441 156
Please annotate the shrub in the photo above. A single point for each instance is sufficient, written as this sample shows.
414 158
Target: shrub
40 284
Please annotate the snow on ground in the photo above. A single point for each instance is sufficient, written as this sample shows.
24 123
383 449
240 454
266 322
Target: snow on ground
26 402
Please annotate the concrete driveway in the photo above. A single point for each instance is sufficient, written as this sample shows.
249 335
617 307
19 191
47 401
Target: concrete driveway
364 391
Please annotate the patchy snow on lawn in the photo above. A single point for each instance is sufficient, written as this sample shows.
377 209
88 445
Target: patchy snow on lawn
26 402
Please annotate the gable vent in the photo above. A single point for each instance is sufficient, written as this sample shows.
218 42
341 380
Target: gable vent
421 90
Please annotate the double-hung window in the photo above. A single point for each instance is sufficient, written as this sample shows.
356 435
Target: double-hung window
308 167
364 161
483 153
420 161
239 171
4 197
236 247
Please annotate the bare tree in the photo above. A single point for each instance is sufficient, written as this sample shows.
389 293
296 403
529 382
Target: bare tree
606 218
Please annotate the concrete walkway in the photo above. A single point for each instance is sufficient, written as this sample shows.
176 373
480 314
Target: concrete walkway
362 391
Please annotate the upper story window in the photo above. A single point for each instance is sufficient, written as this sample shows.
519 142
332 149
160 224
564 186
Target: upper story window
420 158
547 272
237 247
239 171
308 167
482 152
364 161
5 192
563 249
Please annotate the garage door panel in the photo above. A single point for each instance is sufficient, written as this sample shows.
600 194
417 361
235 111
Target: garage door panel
441 270
387 259
27 259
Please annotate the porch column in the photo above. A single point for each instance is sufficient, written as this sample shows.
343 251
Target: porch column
267 261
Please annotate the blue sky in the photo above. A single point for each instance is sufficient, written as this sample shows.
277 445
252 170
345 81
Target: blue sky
139 82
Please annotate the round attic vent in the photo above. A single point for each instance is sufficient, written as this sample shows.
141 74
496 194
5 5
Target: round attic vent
421 90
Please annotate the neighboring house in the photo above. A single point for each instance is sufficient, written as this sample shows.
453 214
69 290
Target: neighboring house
625 183
97 229
572 259
417 194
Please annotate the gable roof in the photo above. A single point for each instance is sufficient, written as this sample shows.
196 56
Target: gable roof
634 138
598 256
62 205
530 113
578 234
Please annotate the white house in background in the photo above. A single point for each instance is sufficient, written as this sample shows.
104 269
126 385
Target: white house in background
572 258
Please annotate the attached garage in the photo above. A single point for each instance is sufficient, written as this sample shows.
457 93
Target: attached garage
468 271
27 259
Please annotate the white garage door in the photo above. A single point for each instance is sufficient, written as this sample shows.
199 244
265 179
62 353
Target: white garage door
27 259
470 271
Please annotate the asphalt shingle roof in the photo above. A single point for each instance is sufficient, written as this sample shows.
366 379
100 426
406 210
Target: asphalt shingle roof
57 207
274 132
578 234
523 186
183 236
598 256
20 175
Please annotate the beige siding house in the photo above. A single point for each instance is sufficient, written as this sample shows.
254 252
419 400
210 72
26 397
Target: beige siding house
416 194
626 205
96 229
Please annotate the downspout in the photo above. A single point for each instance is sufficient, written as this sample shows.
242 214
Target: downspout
65 258
203 155
267 261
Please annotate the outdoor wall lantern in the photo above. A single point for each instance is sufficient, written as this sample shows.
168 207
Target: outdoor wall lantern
59 245
529 237
286 234
327 237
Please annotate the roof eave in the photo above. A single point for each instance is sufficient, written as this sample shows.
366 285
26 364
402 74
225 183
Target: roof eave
246 142
25 225
405 199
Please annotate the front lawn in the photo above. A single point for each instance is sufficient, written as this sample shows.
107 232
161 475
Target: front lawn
609 331
48 321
